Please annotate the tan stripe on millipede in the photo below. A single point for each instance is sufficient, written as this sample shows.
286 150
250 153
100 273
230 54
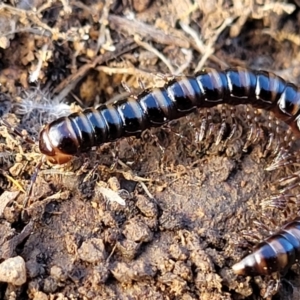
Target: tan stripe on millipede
70 129
245 80
115 118
101 117
161 101
217 82
280 251
293 231
282 104
188 89
297 104
274 85
261 262
88 127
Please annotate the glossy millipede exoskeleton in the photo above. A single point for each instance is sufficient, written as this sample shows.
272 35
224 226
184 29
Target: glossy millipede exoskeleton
276 254
79 132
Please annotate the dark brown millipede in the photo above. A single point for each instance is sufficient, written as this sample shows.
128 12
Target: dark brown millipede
79 132
275 254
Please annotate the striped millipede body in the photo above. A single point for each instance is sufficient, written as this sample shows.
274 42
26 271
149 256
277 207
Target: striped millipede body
79 132
275 254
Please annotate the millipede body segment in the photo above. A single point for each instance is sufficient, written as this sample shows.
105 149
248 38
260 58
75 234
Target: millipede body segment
79 132
276 254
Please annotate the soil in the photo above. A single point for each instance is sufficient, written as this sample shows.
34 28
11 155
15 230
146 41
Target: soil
157 216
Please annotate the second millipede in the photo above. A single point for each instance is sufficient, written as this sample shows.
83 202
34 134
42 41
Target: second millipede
65 137
275 254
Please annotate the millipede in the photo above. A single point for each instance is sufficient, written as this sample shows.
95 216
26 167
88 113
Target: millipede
67 136
275 254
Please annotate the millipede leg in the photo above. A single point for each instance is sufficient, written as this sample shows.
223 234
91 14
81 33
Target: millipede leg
288 138
91 173
253 132
269 147
211 126
33 180
141 84
166 77
257 129
283 158
279 201
203 126
233 127
273 144
115 154
170 129
130 142
126 88
278 141
272 288
157 142
223 126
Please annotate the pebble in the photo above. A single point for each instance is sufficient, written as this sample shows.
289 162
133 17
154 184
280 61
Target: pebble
92 251
137 231
146 206
13 271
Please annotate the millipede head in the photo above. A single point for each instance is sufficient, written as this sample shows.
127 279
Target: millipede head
245 267
262 261
53 153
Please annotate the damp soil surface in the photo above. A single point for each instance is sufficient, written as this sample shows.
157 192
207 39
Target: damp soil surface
165 214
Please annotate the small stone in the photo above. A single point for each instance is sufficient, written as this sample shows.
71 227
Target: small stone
40 296
5 199
146 206
58 273
128 249
137 271
92 251
50 285
13 271
138 231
